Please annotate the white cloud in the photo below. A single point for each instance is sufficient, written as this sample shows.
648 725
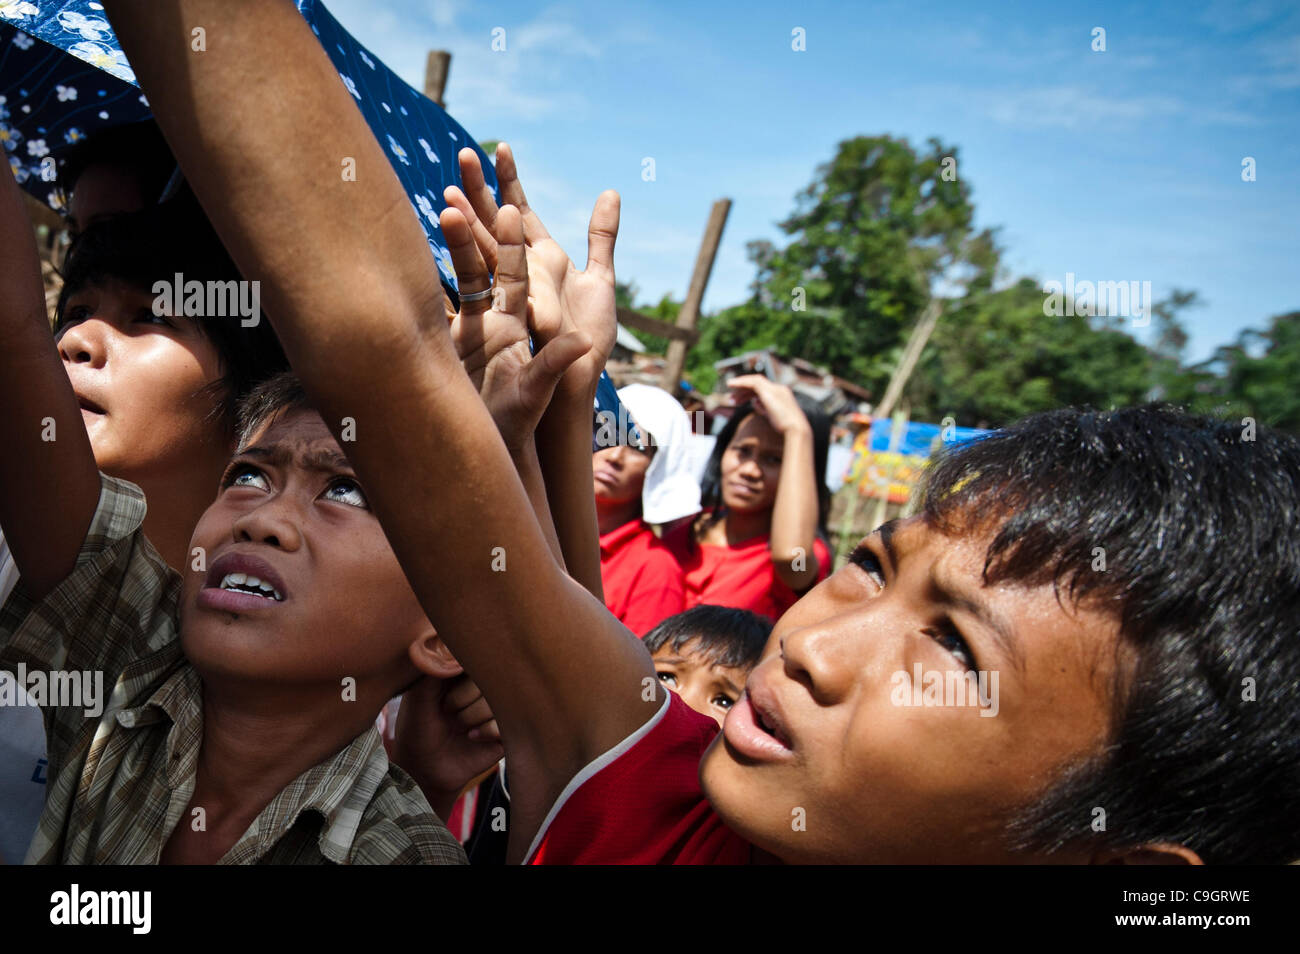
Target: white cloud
554 35
538 74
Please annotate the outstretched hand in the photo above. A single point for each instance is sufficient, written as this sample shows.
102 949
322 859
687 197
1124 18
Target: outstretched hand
563 299
491 335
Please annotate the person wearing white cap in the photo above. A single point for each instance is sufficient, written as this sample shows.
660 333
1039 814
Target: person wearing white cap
645 481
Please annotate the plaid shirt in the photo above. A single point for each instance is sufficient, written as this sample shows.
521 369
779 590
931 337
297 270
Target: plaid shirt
119 784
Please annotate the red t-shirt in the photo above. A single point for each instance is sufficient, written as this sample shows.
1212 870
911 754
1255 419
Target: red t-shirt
641 802
640 576
740 576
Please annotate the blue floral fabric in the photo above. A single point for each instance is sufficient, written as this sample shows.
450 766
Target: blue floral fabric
55 93
64 77
76 80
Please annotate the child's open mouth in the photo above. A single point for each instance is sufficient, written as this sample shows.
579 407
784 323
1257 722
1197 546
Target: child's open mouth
241 583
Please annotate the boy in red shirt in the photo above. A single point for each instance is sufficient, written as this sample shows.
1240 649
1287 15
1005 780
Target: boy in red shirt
1119 687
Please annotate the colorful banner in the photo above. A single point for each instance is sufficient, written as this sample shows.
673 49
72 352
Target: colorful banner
880 472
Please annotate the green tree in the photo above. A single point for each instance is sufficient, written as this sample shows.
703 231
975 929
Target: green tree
1262 384
996 356
878 228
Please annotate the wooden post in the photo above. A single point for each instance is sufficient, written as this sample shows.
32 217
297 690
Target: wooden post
436 69
690 312
911 354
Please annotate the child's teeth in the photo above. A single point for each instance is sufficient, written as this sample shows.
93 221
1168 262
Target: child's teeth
245 582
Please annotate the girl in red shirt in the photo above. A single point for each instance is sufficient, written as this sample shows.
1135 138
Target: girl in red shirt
758 544
641 579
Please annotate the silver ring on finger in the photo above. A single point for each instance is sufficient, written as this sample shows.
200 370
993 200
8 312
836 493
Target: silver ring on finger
478 295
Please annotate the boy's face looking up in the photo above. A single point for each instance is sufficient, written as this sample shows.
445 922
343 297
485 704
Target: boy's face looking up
140 379
829 757
333 601
704 685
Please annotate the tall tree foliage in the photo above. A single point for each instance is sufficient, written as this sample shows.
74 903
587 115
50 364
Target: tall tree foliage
879 226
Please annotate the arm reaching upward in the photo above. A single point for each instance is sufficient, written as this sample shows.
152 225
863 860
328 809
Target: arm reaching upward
49 485
352 290
794 516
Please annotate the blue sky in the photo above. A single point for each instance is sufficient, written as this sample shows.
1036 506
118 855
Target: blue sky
1116 165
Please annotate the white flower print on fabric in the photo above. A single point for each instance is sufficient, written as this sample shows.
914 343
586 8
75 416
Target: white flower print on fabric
88 28
101 57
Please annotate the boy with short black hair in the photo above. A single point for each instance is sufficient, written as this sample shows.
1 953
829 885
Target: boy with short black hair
706 653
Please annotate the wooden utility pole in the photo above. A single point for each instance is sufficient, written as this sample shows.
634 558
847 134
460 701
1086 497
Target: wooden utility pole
885 409
686 318
911 354
436 69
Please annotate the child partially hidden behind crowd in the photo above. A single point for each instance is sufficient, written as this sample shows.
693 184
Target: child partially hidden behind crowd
706 654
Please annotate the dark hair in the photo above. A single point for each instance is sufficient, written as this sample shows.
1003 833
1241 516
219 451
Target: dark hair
1185 528
727 636
711 484
282 392
136 149
154 244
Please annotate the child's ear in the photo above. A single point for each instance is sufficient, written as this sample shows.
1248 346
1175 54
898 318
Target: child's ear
432 657
1161 853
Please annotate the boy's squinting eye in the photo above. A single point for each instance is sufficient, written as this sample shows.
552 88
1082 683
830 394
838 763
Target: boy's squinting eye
667 678
722 701
146 317
346 491
868 561
952 642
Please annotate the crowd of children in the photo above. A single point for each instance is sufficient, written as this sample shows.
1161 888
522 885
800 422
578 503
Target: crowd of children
614 666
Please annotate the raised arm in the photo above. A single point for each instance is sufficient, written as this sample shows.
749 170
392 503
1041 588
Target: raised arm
49 486
262 125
